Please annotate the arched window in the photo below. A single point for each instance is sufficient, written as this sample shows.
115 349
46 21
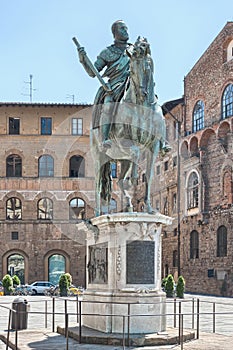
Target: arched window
174 203
166 270
77 209
14 166
77 166
16 266
194 245
198 116
13 209
227 102
230 51
175 258
222 241
227 187
46 166
45 209
193 189
57 266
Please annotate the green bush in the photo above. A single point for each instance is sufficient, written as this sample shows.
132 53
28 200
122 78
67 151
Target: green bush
180 287
15 280
7 284
170 286
63 285
69 277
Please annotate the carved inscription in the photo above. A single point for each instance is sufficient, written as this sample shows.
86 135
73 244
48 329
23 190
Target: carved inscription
140 259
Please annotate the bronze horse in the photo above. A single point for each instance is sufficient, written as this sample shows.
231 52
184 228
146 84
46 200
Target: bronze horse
137 132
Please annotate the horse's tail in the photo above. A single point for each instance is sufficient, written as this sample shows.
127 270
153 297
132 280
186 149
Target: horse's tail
106 182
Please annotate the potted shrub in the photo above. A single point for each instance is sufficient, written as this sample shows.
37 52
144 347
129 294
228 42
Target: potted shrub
169 286
7 284
69 277
180 287
15 280
63 285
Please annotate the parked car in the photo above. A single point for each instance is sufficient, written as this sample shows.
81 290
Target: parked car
1 289
39 287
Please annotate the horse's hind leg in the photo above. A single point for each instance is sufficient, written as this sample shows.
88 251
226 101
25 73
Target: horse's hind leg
97 193
126 167
149 176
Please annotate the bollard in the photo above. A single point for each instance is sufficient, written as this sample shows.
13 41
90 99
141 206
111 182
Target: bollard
53 311
80 322
128 322
174 312
123 340
213 317
193 305
67 331
198 317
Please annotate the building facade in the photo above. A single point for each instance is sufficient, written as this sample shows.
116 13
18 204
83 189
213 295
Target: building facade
46 188
201 248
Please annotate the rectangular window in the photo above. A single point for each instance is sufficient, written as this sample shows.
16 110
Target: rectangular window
114 170
14 126
46 126
175 258
194 245
175 130
193 198
166 165
77 126
174 203
15 236
158 170
165 206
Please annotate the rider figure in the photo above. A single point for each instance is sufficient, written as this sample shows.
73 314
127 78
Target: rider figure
115 60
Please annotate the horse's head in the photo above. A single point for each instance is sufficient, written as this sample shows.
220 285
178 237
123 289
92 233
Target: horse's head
141 48
141 73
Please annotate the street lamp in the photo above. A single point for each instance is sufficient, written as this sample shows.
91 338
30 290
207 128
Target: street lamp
178 123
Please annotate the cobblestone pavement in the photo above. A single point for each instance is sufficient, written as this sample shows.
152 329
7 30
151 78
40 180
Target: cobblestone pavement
37 336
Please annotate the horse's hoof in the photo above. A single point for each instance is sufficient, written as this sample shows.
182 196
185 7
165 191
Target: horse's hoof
150 210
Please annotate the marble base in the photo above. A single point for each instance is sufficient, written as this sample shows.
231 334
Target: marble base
135 304
124 268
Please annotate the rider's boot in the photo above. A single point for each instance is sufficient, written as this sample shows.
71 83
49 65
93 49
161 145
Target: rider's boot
106 143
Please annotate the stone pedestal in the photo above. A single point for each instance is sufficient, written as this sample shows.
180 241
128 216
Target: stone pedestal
124 273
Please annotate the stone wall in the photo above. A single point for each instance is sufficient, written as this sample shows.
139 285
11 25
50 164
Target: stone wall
207 152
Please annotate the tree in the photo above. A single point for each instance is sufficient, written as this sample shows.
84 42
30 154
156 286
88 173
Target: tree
180 287
15 280
63 285
7 284
69 277
169 286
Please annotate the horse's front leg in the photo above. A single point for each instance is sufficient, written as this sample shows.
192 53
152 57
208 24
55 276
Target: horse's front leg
149 176
126 167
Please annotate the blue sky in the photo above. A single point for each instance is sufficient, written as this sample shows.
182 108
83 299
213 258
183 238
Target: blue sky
36 38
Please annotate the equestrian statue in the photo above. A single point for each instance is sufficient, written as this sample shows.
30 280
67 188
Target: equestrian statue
128 125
